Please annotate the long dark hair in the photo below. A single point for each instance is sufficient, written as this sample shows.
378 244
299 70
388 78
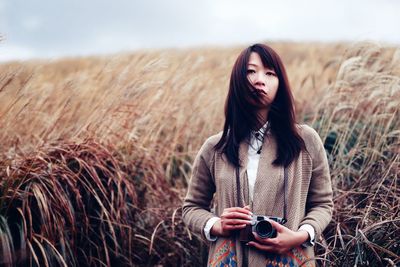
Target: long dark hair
241 115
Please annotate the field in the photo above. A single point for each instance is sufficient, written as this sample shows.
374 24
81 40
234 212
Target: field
96 152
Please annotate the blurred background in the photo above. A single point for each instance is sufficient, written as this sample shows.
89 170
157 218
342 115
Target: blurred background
58 28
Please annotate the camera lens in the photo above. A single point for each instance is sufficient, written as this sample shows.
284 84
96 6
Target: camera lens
264 229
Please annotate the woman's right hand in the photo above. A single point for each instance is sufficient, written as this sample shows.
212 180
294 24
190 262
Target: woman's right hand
234 218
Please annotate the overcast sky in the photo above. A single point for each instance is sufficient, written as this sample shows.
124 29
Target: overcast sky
56 28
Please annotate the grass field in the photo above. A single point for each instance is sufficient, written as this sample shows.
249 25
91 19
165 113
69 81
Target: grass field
96 152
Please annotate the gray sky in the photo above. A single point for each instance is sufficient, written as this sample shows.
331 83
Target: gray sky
56 28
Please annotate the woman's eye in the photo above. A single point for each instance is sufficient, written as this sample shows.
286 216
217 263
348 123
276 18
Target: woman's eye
270 73
251 71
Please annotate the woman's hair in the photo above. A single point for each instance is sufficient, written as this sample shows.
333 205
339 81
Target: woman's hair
241 107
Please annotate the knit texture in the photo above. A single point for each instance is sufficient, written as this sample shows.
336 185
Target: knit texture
213 185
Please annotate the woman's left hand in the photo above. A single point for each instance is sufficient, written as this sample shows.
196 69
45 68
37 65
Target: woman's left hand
283 242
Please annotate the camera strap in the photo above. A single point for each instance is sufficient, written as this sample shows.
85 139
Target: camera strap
285 178
237 187
285 200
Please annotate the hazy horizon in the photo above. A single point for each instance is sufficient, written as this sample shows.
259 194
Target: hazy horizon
53 29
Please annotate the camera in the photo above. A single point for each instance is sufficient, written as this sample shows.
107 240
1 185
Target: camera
261 226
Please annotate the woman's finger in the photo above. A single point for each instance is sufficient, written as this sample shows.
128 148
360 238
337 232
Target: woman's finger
266 241
279 227
236 215
236 221
237 209
234 227
247 207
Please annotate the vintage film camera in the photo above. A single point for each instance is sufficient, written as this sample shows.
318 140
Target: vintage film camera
261 226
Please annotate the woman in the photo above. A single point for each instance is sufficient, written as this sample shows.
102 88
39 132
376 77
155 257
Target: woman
263 163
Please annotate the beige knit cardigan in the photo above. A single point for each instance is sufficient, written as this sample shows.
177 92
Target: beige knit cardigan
213 185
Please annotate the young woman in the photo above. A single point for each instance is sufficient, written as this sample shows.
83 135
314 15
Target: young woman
267 177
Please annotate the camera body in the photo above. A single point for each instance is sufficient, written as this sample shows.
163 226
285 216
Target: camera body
261 226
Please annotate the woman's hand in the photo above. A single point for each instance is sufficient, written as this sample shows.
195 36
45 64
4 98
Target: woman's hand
234 218
283 242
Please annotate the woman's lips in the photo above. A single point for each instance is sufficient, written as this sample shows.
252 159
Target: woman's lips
260 91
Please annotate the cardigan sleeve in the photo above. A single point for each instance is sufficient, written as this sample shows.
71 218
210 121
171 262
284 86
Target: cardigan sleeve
196 206
319 205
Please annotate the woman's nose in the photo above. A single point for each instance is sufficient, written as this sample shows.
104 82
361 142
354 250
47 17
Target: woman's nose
259 79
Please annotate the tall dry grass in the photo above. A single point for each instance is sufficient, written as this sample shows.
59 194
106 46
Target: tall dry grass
125 98
146 115
358 118
66 205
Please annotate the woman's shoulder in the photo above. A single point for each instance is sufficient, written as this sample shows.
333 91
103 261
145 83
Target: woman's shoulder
210 142
311 138
207 150
307 132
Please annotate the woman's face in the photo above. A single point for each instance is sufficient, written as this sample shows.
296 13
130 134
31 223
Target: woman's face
263 79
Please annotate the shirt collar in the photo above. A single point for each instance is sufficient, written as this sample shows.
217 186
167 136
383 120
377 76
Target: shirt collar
261 131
